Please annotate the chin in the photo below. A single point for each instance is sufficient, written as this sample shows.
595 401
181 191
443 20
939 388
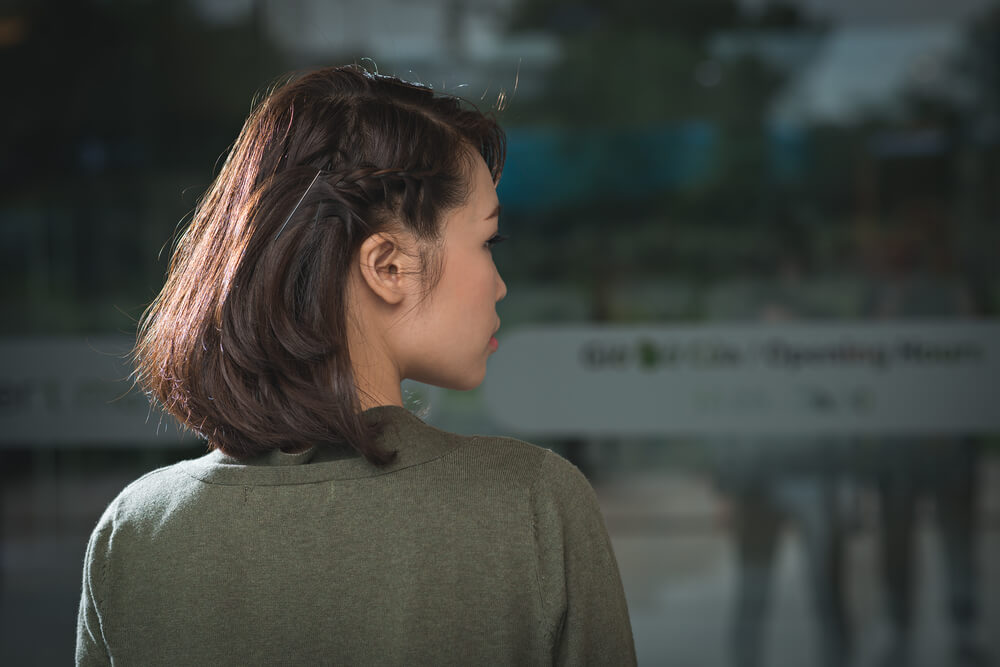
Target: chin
467 382
470 381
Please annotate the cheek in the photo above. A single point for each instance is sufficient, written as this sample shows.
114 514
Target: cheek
487 280
471 284
467 289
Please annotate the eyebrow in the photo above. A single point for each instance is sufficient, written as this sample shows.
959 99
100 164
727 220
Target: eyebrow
495 213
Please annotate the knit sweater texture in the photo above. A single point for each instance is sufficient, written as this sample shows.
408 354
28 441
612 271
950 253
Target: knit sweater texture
466 550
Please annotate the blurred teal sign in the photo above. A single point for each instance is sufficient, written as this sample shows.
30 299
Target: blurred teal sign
549 167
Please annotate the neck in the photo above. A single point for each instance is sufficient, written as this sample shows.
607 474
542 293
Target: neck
376 378
371 396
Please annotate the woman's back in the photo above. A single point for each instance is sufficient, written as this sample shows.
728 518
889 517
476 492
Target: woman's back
465 550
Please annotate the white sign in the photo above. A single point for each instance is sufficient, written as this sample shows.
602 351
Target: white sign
926 377
70 391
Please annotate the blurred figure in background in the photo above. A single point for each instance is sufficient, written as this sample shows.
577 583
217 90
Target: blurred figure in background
914 277
773 481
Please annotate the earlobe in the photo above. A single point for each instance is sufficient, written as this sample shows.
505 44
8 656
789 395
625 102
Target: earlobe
384 267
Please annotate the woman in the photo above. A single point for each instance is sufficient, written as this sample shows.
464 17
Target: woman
345 246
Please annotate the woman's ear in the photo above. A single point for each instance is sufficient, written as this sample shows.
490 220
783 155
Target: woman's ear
386 267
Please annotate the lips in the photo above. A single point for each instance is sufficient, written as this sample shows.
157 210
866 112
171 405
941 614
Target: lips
494 344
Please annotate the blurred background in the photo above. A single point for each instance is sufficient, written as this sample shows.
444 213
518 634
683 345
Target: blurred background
720 166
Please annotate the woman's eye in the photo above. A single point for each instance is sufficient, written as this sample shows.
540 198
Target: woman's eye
495 239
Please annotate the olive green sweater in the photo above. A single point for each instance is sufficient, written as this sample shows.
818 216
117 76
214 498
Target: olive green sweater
464 551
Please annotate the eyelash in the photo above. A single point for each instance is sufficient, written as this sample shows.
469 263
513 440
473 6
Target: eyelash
495 239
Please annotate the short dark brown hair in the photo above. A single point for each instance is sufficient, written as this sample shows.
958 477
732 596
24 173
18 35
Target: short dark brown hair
247 342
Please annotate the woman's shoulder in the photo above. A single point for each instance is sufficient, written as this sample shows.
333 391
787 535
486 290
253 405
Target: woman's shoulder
146 498
421 445
524 464
508 459
544 460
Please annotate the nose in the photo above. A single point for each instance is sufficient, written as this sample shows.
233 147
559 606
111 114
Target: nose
501 288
